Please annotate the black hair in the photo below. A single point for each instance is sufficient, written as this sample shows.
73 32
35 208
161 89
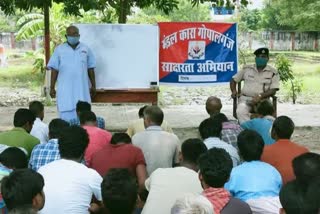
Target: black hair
210 127
215 167
119 191
20 187
73 142
23 210
306 168
87 116
120 138
221 117
192 149
14 158
283 127
36 107
250 145
56 126
265 108
295 199
83 106
23 116
155 114
141 110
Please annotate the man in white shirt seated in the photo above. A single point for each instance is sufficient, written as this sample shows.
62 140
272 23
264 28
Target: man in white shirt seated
210 132
166 185
70 185
39 130
160 148
138 125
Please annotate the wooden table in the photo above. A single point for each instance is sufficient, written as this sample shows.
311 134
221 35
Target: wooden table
148 95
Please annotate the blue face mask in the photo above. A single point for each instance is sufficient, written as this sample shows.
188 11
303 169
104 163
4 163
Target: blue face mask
73 40
261 62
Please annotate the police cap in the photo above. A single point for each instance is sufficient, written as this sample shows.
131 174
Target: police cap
261 51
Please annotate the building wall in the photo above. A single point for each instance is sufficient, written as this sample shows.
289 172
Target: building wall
281 41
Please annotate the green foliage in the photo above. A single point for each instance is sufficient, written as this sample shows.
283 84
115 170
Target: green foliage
123 8
293 85
250 20
185 12
292 15
72 7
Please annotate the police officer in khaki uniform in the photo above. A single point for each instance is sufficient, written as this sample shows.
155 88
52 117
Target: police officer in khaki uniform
261 81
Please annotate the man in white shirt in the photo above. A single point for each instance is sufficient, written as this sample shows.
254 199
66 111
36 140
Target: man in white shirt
210 132
70 185
160 148
165 186
39 130
138 125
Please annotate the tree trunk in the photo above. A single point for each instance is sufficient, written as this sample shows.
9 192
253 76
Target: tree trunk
123 11
293 92
46 32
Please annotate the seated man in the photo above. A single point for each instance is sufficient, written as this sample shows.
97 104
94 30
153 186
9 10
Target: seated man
119 192
22 191
192 204
85 106
20 136
160 148
213 106
210 132
306 168
11 159
138 125
39 130
70 185
254 181
98 138
215 167
230 129
120 153
168 184
263 124
283 151
298 199
43 154
261 81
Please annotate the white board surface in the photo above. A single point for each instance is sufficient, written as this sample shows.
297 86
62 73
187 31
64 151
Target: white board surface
127 55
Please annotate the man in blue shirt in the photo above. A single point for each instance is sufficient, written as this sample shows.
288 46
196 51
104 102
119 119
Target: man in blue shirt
254 181
263 123
72 64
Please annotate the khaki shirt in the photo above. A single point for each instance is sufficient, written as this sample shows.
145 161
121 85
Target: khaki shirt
256 82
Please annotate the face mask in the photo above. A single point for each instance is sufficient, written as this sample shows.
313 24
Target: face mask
73 40
260 62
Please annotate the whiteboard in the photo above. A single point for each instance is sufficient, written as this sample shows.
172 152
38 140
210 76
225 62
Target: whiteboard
127 55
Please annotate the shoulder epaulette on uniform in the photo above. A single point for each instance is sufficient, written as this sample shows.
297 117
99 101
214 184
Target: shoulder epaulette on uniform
248 66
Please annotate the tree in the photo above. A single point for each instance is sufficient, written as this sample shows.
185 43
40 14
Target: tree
250 20
293 84
185 12
294 14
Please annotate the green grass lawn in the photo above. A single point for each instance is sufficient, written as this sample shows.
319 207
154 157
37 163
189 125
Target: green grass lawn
20 76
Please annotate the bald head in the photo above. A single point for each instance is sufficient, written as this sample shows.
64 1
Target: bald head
213 105
72 31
